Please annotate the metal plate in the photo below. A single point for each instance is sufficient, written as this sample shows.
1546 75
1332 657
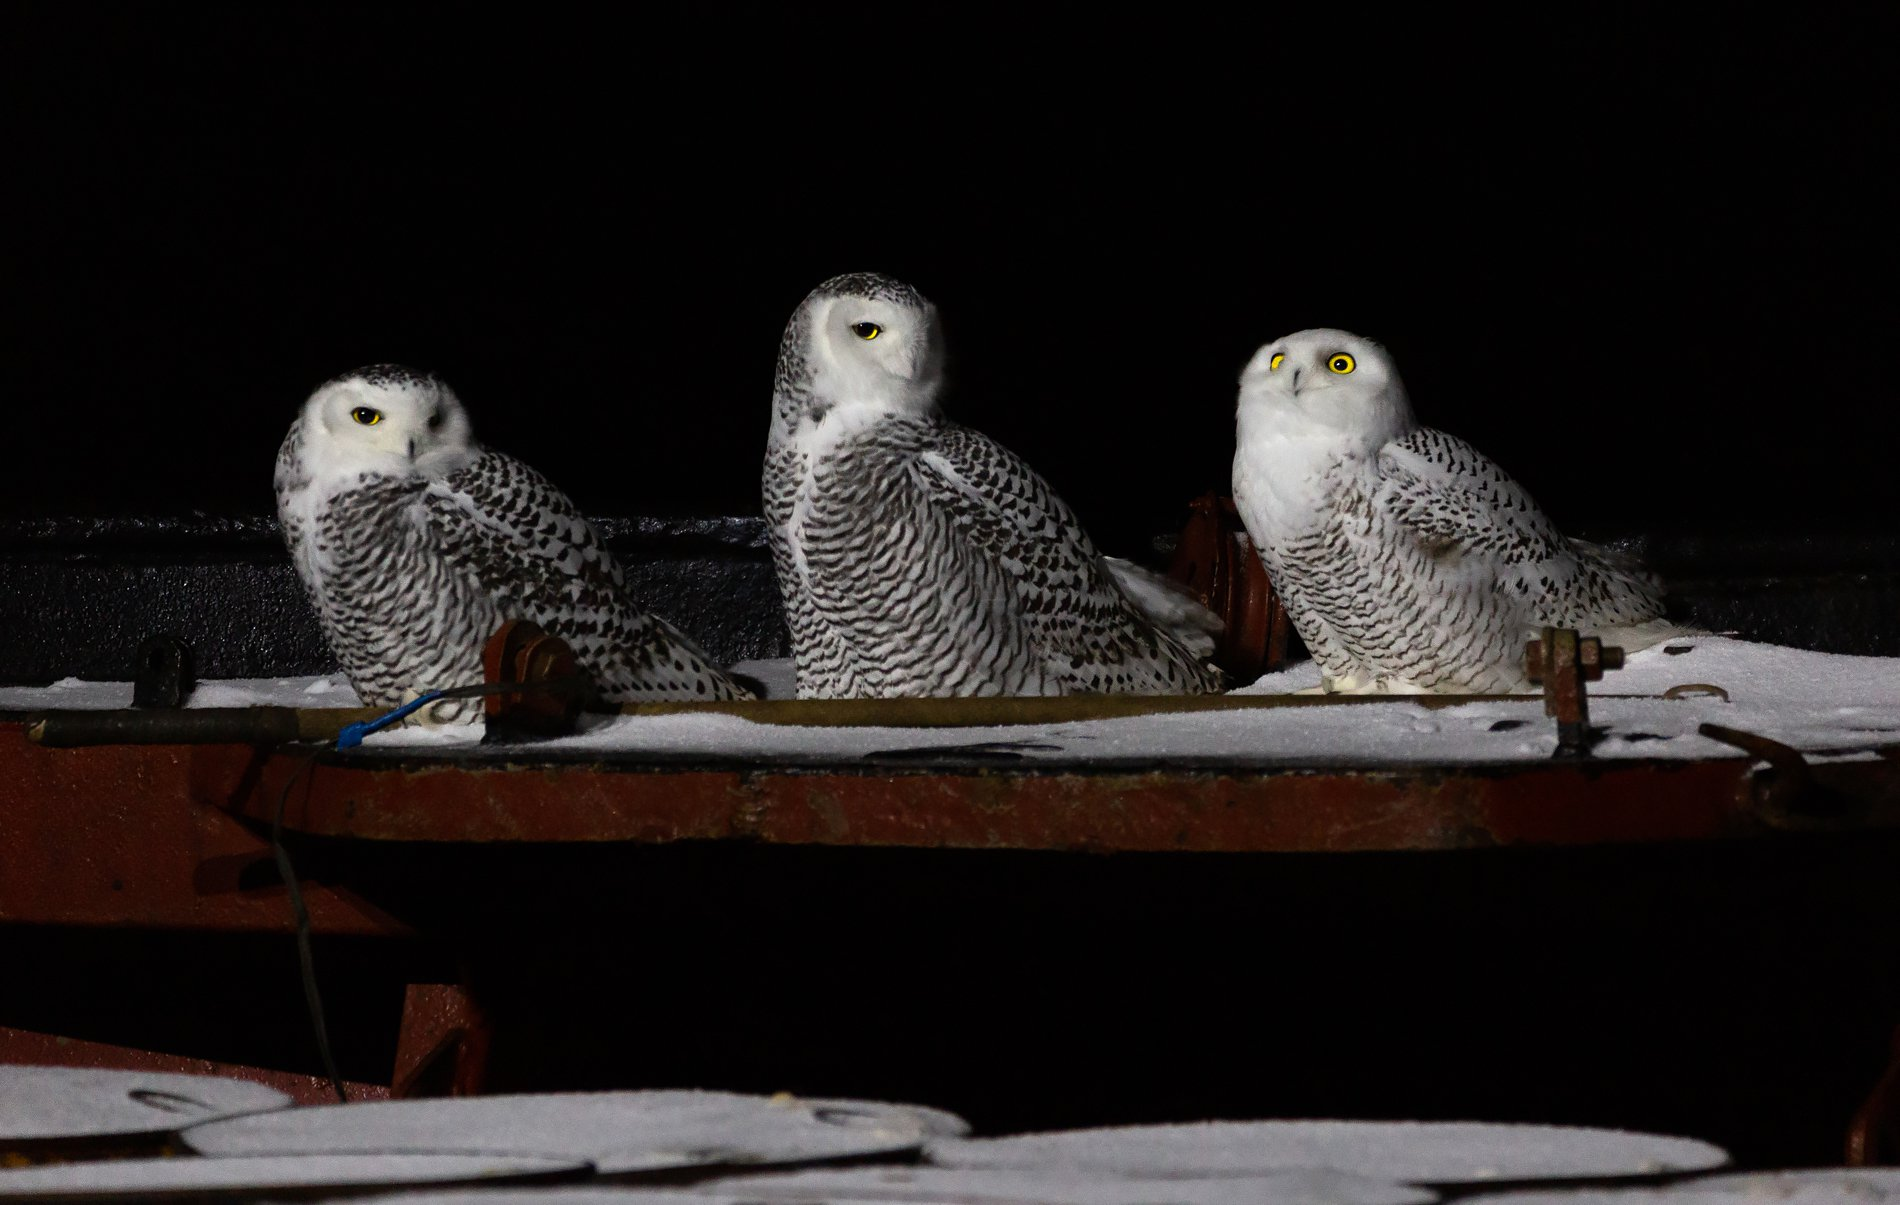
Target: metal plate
50 1103
1402 1151
616 1131
199 1179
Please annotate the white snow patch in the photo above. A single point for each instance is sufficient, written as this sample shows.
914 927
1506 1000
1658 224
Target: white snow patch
82 1102
1056 1186
1821 1186
1415 1152
75 694
425 736
616 1131
1819 702
173 1178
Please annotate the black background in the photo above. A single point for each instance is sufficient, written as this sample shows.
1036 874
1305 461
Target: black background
1646 260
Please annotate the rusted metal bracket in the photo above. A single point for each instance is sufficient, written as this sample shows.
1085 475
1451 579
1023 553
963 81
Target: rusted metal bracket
1216 562
442 1049
1786 793
552 688
1874 1138
1561 662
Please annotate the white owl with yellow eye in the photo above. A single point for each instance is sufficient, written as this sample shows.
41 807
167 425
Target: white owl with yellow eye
1407 560
415 543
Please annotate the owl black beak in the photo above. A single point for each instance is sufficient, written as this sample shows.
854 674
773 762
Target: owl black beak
1296 380
412 449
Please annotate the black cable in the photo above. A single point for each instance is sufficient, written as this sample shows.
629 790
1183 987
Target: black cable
300 917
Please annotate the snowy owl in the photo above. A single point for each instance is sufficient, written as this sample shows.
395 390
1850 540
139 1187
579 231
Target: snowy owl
919 558
1408 562
415 544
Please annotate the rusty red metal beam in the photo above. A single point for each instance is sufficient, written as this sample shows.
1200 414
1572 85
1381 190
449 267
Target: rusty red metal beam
1155 810
126 835
173 835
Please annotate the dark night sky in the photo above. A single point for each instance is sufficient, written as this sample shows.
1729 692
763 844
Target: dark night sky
1647 263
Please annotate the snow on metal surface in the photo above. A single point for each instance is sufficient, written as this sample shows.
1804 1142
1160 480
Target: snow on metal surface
1059 1186
1404 1151
1814 701
194 1179
1823 703
1825 1186
894 1185
39 1103
75 694
616 1131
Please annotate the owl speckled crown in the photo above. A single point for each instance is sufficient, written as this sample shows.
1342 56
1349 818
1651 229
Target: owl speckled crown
387 376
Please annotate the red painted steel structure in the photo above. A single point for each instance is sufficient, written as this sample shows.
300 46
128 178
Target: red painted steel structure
160 836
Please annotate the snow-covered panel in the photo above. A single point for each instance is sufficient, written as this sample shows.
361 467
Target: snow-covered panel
245 1178
1400 1151
84 1102
615 1131
894 1185
1058 1186
1824 1186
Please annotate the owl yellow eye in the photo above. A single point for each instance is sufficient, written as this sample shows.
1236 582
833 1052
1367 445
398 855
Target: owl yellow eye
366 416
866 330
1273 365
1342 363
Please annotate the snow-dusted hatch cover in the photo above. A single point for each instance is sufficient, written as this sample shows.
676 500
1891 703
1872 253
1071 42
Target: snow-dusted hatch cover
616 1131
1055 1186
1836 1186
936 1186
1404 1151
43 1103
197 1179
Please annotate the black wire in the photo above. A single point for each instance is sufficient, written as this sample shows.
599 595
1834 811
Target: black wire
300 916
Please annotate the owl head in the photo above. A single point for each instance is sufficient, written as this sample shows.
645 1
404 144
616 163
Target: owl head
1324 383
385 418
861 343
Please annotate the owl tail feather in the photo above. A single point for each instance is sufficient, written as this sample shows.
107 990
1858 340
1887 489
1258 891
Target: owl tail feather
1167 604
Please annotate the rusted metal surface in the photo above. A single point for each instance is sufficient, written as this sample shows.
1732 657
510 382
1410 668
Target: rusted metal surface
1873 1140
196 726
126 835
171 835
26 1047
1215 561
443 1047
1561 662
553 688
1206 810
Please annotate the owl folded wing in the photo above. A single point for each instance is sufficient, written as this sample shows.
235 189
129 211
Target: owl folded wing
1456 500
1063 590
523 538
